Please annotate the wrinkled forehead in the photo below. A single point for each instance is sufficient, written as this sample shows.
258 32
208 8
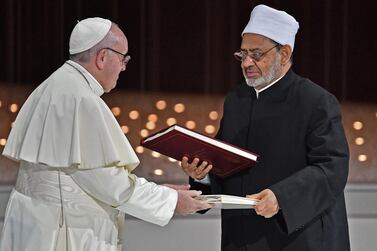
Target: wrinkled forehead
255 41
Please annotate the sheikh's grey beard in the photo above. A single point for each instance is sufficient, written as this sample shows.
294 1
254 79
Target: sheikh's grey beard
267 78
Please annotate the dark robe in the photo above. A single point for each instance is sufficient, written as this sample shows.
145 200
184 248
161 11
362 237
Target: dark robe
295 126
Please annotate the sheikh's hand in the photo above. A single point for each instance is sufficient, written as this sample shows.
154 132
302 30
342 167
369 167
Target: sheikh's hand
193 170
268 205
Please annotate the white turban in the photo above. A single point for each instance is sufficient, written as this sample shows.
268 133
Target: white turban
87 33
274 24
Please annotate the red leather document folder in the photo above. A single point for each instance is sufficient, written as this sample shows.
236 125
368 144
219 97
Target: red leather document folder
176 142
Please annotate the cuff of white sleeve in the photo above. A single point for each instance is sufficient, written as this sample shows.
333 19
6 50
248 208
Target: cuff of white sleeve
205 180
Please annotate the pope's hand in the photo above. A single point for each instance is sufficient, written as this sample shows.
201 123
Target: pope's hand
268 204
187 204
193 170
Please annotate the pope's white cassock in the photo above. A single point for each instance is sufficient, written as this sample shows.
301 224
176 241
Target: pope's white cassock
75 182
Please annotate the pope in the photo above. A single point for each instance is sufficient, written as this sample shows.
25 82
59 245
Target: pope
75 179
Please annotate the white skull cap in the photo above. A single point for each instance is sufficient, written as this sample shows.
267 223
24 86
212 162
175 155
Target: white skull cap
274 24
87 33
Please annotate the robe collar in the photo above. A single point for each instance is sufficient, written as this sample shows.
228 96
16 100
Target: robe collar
92 82
274 92
266 87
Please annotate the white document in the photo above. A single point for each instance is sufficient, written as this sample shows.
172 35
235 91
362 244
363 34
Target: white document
228 201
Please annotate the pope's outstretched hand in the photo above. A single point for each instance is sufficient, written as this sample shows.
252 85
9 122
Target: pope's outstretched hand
187 204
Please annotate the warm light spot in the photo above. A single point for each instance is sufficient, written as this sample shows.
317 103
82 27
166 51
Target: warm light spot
161 104
125 129
158 172
13 108
213 115
171 121
144 133
2 104
3 142
362 157
156 154
179 108
116 111
376 112
190 124
150 125
152 118
139 149
359 141
209 129
357 125
172 160
134 114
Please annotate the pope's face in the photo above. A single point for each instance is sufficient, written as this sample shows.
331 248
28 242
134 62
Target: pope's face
259 73
115 61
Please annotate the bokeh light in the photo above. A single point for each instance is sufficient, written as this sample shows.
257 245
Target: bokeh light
152 117
139 149
158 172
213 115
209 129
144 133
125 129
171 121
362 158
13 108
357 125
133 114
359 141
3 142
155 154
179 108
150 125
116 111
190 124
161 104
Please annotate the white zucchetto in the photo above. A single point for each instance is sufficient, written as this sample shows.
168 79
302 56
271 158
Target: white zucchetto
87 33
274 24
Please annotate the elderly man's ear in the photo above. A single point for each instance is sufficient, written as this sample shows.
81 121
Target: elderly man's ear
100 59
286 53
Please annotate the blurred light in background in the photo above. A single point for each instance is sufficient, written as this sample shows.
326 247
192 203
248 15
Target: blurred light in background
161 104
179 108
357 125
116 111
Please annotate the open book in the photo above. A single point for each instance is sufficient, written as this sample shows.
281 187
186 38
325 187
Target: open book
228 201
176 142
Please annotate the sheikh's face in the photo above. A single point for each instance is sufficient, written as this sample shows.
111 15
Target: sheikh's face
259 74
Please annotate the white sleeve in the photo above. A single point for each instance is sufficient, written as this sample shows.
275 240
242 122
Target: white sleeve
116 187
205 180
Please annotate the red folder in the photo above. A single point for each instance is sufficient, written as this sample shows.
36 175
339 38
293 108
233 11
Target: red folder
176 142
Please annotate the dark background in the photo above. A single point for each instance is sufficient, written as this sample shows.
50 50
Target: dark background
187 46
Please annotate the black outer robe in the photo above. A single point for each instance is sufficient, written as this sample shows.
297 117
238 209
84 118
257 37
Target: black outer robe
295 126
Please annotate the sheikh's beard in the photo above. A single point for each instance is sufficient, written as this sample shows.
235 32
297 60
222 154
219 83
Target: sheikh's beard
266 78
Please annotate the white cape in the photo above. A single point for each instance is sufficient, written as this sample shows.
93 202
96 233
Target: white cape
75 180
73 125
